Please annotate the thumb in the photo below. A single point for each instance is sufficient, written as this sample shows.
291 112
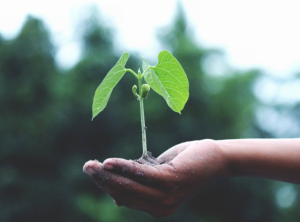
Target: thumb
171 153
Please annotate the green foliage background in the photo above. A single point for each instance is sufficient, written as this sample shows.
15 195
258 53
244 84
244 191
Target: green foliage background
46 134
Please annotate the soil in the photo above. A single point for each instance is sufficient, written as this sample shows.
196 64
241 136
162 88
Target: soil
148 160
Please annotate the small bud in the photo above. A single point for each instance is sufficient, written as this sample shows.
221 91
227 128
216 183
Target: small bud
134 88
145 91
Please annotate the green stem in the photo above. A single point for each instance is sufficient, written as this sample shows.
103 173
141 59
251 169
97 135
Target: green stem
149 67
130 70
142 118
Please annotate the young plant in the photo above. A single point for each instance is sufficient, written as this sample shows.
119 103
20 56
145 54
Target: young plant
167 78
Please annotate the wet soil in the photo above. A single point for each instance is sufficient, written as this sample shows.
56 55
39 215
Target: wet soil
148 160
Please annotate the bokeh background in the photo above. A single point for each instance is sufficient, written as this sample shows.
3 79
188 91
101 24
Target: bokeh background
46 132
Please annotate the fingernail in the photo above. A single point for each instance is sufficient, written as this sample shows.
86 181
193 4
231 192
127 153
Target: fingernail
108 166
89 170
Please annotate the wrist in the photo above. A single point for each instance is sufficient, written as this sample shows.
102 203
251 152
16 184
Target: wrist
227 166
219 160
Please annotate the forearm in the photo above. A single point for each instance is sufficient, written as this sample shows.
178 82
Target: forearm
277 159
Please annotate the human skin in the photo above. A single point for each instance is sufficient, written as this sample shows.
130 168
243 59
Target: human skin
188 167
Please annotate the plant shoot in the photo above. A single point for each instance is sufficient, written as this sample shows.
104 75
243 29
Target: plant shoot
167 78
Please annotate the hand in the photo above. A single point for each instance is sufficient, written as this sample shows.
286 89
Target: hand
160 190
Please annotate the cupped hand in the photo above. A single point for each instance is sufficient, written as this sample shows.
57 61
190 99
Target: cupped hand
160 190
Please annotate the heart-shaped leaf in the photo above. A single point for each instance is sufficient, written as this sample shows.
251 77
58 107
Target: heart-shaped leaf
103 92
169 80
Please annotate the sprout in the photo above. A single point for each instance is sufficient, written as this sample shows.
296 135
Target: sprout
167 78
134 88
145 91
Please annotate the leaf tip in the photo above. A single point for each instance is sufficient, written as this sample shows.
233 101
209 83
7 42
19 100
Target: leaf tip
94 115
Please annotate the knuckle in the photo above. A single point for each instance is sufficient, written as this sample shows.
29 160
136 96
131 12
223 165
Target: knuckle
209 142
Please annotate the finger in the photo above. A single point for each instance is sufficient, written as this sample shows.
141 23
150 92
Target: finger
139 190
140 172
91 166
156 209
124 184
171 153
161 207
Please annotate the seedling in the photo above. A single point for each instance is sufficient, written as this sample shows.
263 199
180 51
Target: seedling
167 78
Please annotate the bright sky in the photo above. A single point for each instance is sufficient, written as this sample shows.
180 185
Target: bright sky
253 33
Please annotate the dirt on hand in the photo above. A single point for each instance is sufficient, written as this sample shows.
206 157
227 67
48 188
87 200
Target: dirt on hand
148 160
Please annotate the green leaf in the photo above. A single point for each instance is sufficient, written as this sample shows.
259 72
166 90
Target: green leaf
145 64
169 80
103 92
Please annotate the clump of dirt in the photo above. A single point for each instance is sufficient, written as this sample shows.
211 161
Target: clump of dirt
148 160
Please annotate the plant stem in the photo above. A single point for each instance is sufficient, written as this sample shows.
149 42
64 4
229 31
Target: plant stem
129 70
142 117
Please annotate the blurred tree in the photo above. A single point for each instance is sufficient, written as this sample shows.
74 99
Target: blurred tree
47 135
30 172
